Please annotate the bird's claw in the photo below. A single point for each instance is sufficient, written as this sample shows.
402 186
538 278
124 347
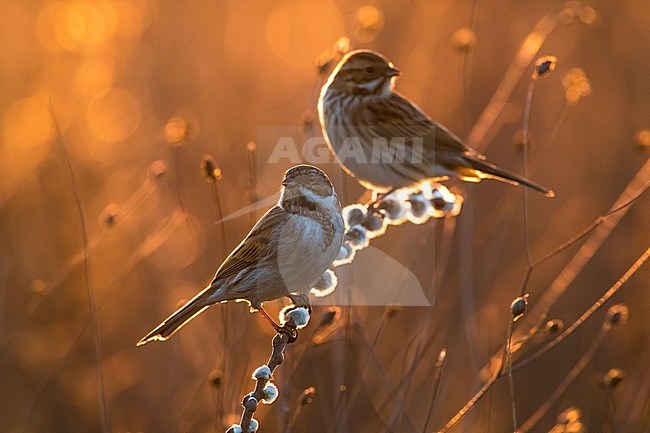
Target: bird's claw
290 330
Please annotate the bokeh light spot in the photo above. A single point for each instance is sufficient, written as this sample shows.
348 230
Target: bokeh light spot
81 25
463 39
576 85
113 115
176 131
95 75
369 16
642 138
370 22
298 31
27 123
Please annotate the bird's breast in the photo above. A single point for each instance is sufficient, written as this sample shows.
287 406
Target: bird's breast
306 248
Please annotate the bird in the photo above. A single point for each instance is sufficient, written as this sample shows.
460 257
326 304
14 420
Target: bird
284 254
385 140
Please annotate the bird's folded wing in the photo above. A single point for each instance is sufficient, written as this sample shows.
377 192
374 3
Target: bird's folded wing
399 117
257 245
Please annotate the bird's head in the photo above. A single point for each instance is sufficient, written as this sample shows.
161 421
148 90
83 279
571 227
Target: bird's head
306 182
364 72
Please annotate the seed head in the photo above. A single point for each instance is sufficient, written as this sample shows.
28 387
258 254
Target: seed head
209 169
544 66
617 315
613 378
307 396
216 378
518 307
554 326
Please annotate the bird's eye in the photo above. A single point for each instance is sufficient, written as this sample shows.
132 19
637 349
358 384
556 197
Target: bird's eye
370 70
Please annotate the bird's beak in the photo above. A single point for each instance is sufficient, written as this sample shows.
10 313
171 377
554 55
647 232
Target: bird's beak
286 182
392 71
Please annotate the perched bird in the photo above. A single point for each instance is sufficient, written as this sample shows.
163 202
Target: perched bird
386 141
287 250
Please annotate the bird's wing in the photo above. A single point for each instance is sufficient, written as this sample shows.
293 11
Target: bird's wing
399 117
257 245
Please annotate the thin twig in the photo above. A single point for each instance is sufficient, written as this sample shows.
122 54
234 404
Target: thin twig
634 189
570 377
99 356
250 403
486 386
529 99
587 314
527 51
252 176
440 364
511 387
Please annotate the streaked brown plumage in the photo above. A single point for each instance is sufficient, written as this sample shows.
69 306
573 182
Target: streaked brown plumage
288 249
358 105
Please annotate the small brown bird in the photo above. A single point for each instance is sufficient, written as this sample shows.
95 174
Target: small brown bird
284 254
385 140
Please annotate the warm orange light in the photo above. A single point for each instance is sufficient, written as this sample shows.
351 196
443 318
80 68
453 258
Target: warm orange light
27 124
176 131
95 75
464 38
81 25
298 31
642 138
529 48
371 21
576 85
369 16
588 15
113 115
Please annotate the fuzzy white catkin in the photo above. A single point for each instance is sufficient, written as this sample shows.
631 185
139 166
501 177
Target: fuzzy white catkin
325 285
394 208
270 393
357 236
299 316
254 425
346 255
235 428
262 373
354 214
418 210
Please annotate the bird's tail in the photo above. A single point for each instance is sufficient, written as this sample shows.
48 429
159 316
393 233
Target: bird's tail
491 171
187 312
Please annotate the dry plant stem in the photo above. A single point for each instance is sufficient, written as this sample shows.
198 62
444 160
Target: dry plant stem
529 99
252 178
499 370
399 410
440 364
170 384
371 351
214 186
636 186
527 52
99 356
511 388
179 186
587 230
486 386
529 255
251 401
393 393
93 243
587 314
570 377
143 250
217 204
